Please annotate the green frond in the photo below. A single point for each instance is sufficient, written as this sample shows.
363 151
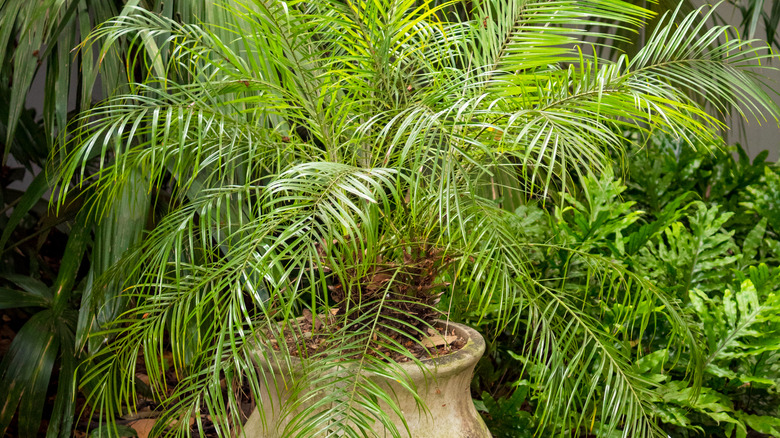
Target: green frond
527 35
691 56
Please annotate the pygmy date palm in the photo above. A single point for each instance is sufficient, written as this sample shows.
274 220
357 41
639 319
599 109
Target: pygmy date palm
362 161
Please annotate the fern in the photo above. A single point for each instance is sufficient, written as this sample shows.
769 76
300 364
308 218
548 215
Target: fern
741 325
764 199
600 218
742 337
697 256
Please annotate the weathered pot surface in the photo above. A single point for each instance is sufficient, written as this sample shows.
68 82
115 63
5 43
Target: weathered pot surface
443 386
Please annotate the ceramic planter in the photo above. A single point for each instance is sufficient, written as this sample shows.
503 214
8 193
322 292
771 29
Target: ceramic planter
443 386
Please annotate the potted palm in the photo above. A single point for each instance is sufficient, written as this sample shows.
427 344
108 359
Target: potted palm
331 176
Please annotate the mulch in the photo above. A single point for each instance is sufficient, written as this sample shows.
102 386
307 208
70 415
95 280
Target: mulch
309 336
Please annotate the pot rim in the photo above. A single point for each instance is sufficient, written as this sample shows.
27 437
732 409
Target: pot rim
450 363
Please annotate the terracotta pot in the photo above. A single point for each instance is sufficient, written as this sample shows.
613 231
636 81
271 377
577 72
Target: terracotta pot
443 386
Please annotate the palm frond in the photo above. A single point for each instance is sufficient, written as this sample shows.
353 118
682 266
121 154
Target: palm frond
718 72
529 35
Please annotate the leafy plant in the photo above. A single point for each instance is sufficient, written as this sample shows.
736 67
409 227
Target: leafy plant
357 160
742 335
694 256
506 416
738 392
38 39
665 168
762 200
46 339
689 249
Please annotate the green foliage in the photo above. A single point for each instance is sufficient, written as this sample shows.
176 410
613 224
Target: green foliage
47 39
601 219
763 197
389 151
694 256
741 325
46 339
591 231
690 249
506 417
742 335
353 158
665 168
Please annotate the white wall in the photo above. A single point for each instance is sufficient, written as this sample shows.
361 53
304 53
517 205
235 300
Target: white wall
756 136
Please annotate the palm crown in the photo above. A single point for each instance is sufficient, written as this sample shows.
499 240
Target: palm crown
364 159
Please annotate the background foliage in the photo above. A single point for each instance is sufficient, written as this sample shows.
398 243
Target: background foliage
697 223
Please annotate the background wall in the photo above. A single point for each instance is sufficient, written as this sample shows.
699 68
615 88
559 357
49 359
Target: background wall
752 135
